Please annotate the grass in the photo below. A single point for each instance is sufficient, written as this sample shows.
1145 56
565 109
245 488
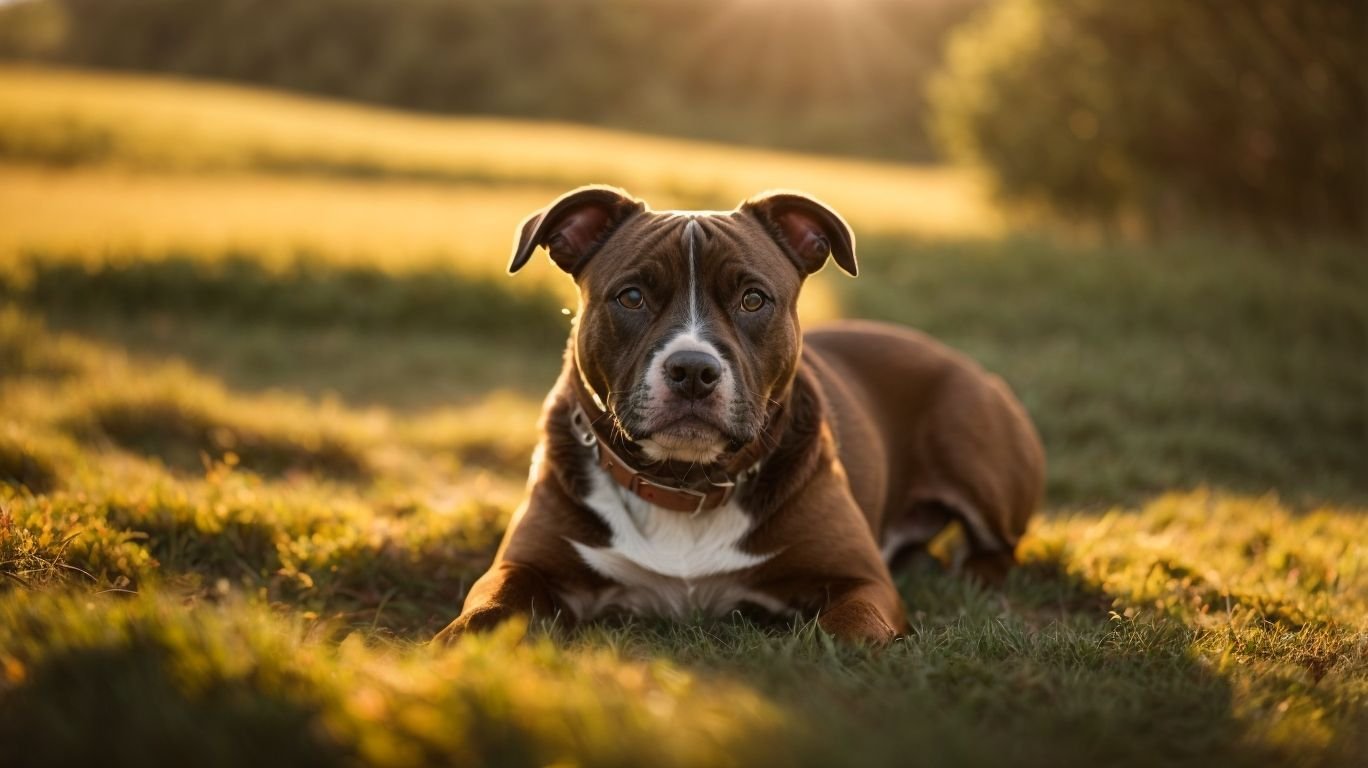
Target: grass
1148 369
100 214
251 457
306 292
1112 644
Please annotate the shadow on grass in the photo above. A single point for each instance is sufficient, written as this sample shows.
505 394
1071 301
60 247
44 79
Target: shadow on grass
136 696
1039 671
186 438
307 292
406 582
414 340
26 350
406 370
22 467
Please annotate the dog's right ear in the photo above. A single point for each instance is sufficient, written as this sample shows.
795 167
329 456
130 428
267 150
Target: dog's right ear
574 226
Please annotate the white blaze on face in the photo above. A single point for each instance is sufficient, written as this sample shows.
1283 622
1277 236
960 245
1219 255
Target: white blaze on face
659 397
692 233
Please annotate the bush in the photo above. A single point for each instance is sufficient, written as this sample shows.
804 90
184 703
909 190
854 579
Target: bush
1167 112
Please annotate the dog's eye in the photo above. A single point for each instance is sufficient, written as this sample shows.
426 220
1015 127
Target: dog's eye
752 300
631 298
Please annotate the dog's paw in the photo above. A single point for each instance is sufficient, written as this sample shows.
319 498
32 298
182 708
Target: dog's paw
857 621
476 621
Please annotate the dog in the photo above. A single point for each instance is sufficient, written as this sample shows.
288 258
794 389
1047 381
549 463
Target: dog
701 455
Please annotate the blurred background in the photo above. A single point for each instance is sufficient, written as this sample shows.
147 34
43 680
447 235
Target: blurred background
1149 218
1165 115
258 350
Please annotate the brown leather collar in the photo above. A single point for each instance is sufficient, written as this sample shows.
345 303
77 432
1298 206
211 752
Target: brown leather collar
712 491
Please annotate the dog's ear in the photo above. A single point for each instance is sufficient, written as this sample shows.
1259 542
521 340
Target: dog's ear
806 229
574 226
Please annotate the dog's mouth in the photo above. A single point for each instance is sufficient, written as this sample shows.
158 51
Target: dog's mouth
689 437
693 442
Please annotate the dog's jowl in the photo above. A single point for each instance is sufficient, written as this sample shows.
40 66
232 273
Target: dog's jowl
701 454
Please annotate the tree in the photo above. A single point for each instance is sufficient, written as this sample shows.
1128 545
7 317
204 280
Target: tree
1168 112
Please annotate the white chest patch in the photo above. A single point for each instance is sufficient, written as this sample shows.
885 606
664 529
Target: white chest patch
666 563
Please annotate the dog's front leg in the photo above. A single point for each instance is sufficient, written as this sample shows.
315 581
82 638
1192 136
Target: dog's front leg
506 590
830 564
868 612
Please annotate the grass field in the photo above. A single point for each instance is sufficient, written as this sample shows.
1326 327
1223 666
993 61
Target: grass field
266 402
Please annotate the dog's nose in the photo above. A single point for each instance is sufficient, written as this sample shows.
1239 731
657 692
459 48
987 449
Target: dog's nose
692 375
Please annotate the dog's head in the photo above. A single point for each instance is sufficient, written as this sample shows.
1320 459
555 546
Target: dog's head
687 327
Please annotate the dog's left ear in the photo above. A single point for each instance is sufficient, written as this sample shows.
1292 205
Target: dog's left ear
573 226
806 229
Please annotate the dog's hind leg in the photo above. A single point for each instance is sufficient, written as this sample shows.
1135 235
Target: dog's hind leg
990 547
906 537
985 552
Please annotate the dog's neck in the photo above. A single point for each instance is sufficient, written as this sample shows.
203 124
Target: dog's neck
675 485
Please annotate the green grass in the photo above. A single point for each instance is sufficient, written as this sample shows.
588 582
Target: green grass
239 490
309 292
1112 645
1198 362
1146 369
263 524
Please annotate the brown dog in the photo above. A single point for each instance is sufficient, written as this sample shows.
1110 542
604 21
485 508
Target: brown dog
698 454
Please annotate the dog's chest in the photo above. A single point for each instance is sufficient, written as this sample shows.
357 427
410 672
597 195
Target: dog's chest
666 563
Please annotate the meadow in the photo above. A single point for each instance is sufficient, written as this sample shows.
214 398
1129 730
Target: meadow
267 400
